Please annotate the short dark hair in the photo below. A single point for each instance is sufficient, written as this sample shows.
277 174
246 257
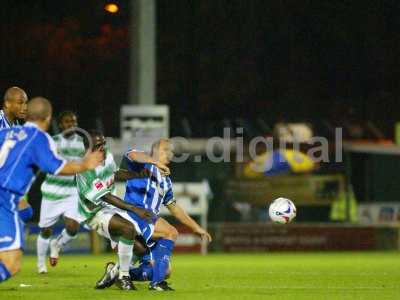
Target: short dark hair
65 113
92 133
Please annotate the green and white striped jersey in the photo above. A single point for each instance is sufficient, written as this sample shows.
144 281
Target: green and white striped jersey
93 185
62 187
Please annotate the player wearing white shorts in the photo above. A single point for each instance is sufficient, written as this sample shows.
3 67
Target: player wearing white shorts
60 196
106 213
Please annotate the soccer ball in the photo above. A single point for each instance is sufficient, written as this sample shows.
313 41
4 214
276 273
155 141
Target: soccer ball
282 211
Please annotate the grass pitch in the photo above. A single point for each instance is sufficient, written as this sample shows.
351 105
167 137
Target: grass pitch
350 275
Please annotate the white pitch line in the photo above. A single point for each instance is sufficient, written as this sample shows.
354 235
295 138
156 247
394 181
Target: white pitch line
303 287
330 274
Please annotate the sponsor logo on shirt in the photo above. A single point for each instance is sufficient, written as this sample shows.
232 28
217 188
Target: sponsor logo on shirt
98 185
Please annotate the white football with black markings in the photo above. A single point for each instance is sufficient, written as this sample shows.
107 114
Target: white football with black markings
282 211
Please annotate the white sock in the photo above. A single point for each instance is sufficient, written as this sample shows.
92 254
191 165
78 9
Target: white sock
42 246
115 271
64 238
125 249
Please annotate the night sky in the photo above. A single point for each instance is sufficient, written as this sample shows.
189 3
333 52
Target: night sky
295 60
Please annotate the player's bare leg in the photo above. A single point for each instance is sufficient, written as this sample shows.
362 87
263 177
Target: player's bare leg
120 227
112 269
164 230
67 235
10 263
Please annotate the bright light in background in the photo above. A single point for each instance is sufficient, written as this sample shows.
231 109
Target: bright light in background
112 8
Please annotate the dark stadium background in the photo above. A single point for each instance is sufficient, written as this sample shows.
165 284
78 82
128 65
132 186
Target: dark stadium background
304 60
221 64
269 67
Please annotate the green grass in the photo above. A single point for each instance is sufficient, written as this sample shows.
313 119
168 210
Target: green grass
350 275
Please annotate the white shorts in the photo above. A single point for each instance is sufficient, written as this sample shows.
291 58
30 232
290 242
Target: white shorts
52 211
101 220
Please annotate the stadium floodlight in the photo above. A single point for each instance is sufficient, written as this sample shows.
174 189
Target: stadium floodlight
112 8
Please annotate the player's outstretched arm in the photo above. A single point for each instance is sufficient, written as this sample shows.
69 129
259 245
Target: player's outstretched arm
123 175
117 202
179 213
91 161
143 158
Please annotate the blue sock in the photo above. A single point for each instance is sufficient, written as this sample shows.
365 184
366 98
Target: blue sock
142 273
26 213
4 273
161 253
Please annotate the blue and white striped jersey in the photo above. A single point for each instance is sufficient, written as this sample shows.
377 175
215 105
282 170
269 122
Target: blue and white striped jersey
4 122
23 150
149 192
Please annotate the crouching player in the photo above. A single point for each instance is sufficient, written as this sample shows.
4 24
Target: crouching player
104 212
150 193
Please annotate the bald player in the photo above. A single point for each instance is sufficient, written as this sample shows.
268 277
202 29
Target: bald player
23 150
14 110
14 107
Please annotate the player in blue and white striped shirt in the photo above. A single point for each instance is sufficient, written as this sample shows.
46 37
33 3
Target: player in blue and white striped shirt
14 107
14 110
150 193
23 150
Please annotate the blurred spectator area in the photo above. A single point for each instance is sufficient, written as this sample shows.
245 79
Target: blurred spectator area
352 128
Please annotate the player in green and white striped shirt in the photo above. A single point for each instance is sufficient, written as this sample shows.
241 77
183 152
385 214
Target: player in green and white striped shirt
60 195
106 213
